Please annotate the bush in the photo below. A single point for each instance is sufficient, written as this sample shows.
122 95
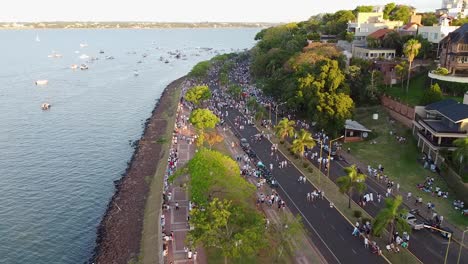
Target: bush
441 71
434 94
296 156
305 164
310 169
357 213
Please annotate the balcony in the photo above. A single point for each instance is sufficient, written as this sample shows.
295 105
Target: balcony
444 143
437 126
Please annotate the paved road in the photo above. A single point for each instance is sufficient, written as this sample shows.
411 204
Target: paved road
328 229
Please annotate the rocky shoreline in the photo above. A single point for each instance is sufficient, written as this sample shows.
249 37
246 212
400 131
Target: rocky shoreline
119 233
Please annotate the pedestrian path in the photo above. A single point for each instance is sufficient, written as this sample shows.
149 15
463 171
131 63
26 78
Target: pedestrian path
176 217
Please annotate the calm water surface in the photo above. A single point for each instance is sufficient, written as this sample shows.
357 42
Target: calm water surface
57 167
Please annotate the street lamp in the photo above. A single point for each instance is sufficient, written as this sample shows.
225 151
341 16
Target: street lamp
329 154
461 245
449 235
276 112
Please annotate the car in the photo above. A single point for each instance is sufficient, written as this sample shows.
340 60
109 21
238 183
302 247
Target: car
244 143
413 222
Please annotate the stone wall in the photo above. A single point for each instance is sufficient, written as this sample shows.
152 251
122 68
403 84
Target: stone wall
399 111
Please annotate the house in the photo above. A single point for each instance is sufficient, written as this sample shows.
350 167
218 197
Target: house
453 8
367 23
379 34
411 28
373 53
387 68
454 51
437 125
355 132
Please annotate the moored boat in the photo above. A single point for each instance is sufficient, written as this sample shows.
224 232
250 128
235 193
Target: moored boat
45 106
83 67
42 82
74 66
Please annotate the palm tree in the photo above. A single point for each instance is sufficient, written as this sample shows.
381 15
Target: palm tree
461 153
354 181
391 216
303 140
401 70
411 50
285 128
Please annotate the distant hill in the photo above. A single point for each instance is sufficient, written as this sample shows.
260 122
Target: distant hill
135 25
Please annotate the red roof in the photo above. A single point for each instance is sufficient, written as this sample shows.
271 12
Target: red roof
409 25
379 33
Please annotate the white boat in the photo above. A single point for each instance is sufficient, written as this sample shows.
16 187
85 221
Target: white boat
74 66
42 82
110 57
83 45
37 38
83 67
45 106
84 57
135 73
55 55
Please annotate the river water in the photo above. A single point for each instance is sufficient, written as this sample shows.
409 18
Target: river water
57 167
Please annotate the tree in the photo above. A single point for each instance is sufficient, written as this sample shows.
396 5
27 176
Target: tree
235 91
401 69
388 9
401 13
353 181
461 153
213 138
225 226
392 40
200 70
202 119
434 94
198 94
429 19
303 140
284 232
363 9
373 42
411 50
390 216
285 128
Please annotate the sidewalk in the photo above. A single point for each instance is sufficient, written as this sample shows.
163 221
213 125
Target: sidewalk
176 220
306 252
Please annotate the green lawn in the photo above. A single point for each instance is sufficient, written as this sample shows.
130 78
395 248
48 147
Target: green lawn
400 160
416 90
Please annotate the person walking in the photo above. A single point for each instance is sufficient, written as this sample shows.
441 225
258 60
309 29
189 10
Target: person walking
177 205
366 242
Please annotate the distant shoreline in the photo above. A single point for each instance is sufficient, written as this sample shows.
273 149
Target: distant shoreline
128 25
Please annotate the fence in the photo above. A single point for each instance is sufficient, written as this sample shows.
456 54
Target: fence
401 112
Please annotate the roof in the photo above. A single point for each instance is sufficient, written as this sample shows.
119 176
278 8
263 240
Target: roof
354 125
458 36
409 25
367 48
451 109
379 33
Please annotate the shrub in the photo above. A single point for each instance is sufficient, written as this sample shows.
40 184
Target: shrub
357 213
441 71
434 94
310 169
305 164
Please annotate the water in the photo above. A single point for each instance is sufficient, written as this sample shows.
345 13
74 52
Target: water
57 167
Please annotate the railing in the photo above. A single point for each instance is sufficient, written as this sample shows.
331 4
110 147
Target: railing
424 120
435 143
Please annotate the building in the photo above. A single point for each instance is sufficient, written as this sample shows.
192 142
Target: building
453 8
368 23
454 51
387 68
354 131
437 125
411 28
373 53
435 34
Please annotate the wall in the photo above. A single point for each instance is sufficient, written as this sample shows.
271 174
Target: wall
401 112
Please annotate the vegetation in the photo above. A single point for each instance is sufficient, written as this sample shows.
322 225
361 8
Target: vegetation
213 138
200 70
390 216
202 119
411 50
461 153
353 181
285 231
198 94
235 91
304 139
285 128
441 71
434 94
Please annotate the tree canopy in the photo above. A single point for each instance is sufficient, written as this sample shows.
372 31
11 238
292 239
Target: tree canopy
200 70
203 118
197 94
352 182
433 94
390 216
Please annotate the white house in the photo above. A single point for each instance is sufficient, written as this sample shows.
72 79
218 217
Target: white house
373 54
454 8
368 23
436 33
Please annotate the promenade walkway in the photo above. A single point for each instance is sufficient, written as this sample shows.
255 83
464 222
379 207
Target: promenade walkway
176 217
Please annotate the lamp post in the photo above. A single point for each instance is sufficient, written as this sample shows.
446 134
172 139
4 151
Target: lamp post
320 159
329 154
276 112
449 235
461 245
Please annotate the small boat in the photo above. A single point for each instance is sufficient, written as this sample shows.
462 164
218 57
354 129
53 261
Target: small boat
178 56
84 57
42 82
144 55
139 61
45 106
109 57
83 67
101 52
74 66
55 55
135 73
82 45
166 61
37 38
161 58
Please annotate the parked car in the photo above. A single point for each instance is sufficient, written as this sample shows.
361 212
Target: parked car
244 143
413 222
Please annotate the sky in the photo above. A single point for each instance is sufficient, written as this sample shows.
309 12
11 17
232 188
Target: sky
185 10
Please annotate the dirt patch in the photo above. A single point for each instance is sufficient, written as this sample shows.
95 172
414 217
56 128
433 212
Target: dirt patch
119 233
